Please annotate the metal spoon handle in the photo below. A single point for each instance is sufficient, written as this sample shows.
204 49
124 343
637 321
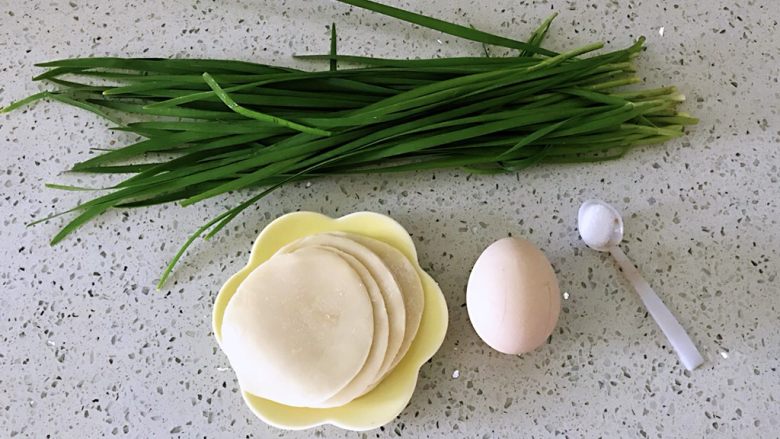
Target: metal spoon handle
679 339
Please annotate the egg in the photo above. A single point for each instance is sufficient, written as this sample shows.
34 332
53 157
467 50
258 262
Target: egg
513 298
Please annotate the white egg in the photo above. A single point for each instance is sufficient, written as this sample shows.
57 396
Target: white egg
512 297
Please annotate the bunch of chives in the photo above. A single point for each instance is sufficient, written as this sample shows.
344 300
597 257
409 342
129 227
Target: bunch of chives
231 125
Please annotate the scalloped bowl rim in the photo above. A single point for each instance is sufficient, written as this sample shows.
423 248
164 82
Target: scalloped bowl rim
390 397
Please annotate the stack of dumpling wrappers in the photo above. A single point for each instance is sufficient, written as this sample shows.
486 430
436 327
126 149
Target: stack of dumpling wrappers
323 321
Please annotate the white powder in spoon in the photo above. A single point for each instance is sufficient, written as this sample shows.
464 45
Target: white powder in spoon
597 225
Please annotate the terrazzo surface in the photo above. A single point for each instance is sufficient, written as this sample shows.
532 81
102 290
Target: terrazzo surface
90 348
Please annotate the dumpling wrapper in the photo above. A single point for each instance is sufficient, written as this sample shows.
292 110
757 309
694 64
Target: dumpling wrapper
389 287
408 280
299 328
367 375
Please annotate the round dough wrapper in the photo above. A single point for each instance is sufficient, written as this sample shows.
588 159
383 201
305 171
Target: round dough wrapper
390 289
408 279
299 328
367 375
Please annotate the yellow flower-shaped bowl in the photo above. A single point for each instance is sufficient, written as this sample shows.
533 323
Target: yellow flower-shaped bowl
382 404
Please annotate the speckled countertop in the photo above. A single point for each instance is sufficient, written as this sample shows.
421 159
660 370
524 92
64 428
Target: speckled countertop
90 349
